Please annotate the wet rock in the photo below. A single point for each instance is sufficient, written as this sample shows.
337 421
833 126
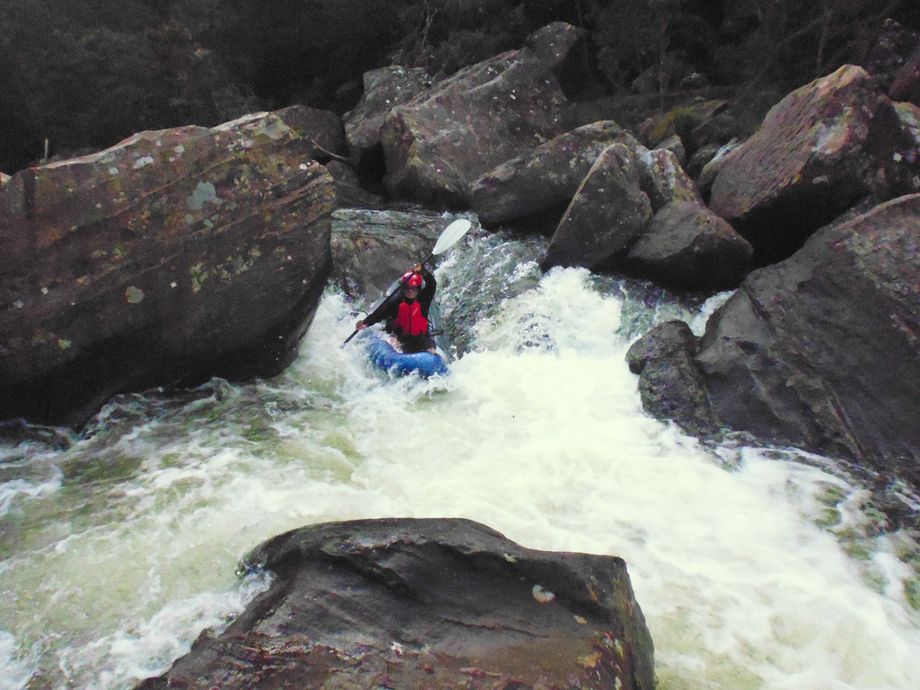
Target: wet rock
542 182
606 215
687 247
403 603
670 383
818 151
384 89
821 350
371 249
4 178
437 145
172 257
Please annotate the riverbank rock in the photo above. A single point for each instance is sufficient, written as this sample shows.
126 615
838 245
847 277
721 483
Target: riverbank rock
606 215
428 603
384 89
438 144
538 185
687 247
670 382
172 257
822 351
818 151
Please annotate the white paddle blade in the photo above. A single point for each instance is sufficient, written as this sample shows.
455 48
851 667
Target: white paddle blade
451 235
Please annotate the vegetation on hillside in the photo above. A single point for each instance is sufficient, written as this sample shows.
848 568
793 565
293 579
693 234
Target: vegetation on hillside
83 75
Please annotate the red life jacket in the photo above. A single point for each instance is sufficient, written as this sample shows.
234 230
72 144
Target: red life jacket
409 319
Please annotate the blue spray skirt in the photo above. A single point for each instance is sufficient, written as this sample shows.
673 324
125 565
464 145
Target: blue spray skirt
384 356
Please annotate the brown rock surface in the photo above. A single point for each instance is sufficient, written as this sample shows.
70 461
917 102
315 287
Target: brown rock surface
171 257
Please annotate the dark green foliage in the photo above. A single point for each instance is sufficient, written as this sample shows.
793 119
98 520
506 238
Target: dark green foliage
86 74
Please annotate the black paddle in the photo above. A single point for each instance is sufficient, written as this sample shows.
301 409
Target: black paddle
451 235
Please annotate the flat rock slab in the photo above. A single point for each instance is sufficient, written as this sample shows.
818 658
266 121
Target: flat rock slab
430 603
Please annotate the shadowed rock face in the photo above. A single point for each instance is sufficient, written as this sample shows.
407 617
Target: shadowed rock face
172 257
406 603
822 350
384 89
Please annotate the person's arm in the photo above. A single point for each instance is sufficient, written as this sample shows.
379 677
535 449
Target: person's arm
426 296
386 310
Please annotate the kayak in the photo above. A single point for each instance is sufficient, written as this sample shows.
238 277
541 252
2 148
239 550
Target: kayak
385 356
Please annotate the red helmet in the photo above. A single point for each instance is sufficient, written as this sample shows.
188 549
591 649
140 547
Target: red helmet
413 280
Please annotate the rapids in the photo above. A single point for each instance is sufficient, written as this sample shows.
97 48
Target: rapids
762 568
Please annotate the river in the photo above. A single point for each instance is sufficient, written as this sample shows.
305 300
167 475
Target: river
760 568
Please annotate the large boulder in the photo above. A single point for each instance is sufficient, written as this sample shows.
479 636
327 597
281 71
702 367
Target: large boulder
384 89
430 603
818 151
542 182
606 215
822 350
437 145
169 258
687 247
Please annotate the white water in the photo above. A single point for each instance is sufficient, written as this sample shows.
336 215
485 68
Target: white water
109 574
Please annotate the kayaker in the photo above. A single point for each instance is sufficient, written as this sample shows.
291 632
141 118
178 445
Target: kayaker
406 311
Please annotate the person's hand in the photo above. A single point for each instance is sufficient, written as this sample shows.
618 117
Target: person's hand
360 326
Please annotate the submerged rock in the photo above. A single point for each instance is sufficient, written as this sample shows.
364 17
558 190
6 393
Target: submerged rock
402 603
170 258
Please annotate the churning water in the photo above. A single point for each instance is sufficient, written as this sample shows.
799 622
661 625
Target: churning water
756 568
